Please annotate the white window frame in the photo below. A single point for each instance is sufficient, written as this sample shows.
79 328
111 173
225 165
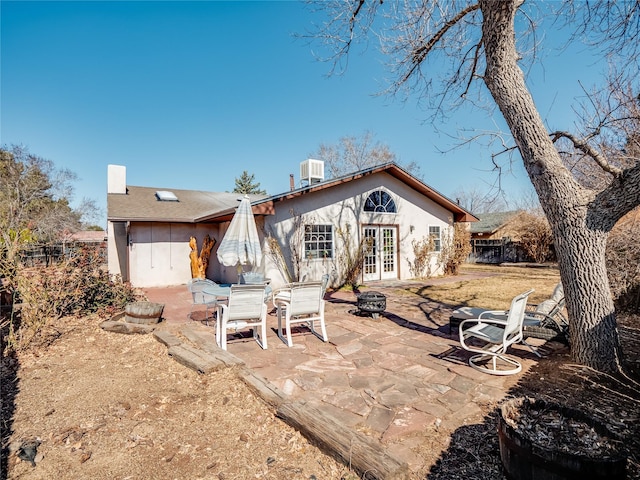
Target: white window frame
436 236
315 236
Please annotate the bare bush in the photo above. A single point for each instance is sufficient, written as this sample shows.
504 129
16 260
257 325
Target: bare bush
455 249
78 286
535 234
352 261
623 262
278 258
422 252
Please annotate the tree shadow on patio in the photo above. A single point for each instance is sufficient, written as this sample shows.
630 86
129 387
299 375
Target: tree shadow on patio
473 451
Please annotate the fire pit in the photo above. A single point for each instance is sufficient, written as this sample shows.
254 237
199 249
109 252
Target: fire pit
371 302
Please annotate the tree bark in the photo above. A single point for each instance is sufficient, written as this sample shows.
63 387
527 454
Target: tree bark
199 263
193 257
580 219
205 253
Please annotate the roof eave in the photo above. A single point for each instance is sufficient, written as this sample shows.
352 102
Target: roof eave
151 219
260 207
460 214
464 217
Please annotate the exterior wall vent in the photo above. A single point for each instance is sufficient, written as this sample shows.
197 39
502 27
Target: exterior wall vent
311 171
166 196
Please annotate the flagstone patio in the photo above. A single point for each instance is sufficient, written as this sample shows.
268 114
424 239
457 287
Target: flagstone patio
399 379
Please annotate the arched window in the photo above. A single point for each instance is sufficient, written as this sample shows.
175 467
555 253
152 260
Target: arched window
380 201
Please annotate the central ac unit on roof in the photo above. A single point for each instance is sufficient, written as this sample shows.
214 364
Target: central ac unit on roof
311 171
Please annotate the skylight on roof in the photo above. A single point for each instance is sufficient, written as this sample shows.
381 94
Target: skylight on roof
166 196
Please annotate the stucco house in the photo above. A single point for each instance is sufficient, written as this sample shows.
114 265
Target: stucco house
314 226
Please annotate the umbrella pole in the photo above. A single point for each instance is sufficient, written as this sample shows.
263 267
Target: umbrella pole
239 272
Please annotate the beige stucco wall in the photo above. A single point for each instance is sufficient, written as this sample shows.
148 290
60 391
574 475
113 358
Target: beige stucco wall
117 249
342 205
159 252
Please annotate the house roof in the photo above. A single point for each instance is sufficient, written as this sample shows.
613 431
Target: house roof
88 236
141 203
267 205
491 222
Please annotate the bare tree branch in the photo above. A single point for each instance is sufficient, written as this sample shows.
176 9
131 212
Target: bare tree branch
588 149
444 43
477 48
619 198
421 52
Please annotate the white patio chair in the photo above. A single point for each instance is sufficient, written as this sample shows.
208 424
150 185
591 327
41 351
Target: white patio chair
305 304
546 319
497 336
252 278
245 307
283 294
196 287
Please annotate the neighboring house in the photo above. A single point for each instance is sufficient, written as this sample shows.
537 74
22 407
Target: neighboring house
95 240
494 238
87 237
149 228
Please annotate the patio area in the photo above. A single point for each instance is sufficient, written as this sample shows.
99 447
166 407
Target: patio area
400 380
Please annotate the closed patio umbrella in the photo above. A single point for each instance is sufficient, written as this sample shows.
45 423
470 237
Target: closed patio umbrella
241 244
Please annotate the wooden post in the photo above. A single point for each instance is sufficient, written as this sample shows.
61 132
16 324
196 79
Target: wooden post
367 457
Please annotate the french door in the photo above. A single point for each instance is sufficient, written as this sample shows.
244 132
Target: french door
380 259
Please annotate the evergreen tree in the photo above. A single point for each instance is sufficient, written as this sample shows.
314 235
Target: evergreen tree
245 184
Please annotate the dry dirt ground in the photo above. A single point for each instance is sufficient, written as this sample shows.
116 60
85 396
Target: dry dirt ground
473 451
102 405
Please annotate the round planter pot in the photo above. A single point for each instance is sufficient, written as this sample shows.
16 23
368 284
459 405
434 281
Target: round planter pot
143 312
525 460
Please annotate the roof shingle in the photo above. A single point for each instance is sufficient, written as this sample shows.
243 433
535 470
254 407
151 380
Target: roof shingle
142 204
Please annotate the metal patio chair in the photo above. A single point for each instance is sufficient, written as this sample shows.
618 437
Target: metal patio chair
196 287
496 336
245 307
304 304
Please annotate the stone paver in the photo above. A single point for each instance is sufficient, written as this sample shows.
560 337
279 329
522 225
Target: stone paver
406 422
380 418
396 378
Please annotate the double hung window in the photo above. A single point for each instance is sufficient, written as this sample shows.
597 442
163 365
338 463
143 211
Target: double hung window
434 234
318 241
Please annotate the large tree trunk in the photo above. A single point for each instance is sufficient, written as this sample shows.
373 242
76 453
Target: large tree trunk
580 220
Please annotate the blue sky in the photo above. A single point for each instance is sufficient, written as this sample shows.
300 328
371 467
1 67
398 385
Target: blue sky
187 95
